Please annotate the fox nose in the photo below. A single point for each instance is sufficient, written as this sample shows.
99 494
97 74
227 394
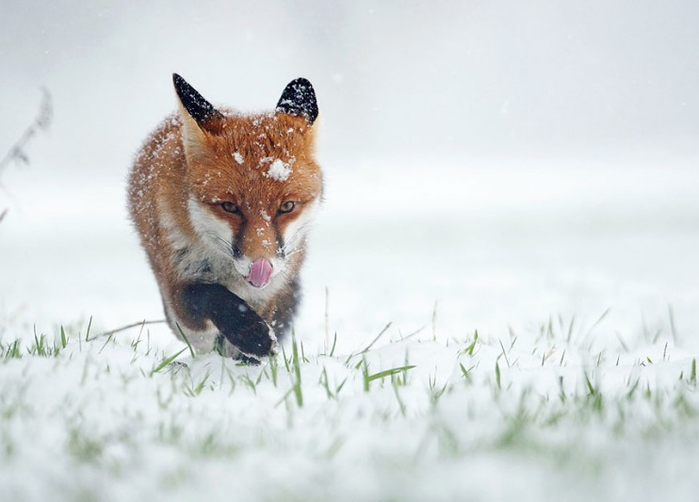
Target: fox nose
260 272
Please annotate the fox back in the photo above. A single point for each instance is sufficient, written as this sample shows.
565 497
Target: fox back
222 203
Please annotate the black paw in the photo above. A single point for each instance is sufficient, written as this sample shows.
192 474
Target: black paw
254 341
235 320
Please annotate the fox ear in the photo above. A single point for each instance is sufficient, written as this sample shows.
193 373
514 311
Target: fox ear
204 114
299 99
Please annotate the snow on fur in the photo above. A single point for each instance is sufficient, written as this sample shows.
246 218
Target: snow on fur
279 170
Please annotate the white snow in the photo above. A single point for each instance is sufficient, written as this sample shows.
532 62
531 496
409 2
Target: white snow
238 157
532 269
279 170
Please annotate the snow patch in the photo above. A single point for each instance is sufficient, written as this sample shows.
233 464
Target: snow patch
279 170
237 157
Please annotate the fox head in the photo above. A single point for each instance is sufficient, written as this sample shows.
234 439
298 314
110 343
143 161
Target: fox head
252 184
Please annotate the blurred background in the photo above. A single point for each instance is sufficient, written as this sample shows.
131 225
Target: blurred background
507 161
416 77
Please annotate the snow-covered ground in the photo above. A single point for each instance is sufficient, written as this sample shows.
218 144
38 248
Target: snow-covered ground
579 276
502 290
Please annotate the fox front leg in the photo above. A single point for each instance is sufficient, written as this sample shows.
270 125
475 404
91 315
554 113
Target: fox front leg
234 318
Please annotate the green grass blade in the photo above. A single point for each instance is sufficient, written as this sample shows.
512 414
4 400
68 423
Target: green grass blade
186 340
389 372
497 375
167 361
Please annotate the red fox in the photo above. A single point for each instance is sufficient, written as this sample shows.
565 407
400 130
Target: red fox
222 202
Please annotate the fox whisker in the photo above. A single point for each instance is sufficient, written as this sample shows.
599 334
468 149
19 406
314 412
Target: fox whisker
223 245
296 236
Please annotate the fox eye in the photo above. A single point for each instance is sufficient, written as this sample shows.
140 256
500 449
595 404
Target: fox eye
229 207
287 207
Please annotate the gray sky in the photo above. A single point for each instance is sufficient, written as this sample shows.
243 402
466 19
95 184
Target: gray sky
392 77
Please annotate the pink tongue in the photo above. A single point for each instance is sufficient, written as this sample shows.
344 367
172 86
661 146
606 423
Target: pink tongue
260 272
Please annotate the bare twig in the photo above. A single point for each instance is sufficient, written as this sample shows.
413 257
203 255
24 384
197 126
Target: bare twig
17 152
42 121
129 326
416 332
366 349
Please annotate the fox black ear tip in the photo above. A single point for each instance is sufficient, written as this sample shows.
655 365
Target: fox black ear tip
302 81
180 84
299 99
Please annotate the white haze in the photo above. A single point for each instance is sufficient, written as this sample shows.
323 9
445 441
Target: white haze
433 79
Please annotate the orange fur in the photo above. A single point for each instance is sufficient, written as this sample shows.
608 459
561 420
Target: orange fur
226 159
